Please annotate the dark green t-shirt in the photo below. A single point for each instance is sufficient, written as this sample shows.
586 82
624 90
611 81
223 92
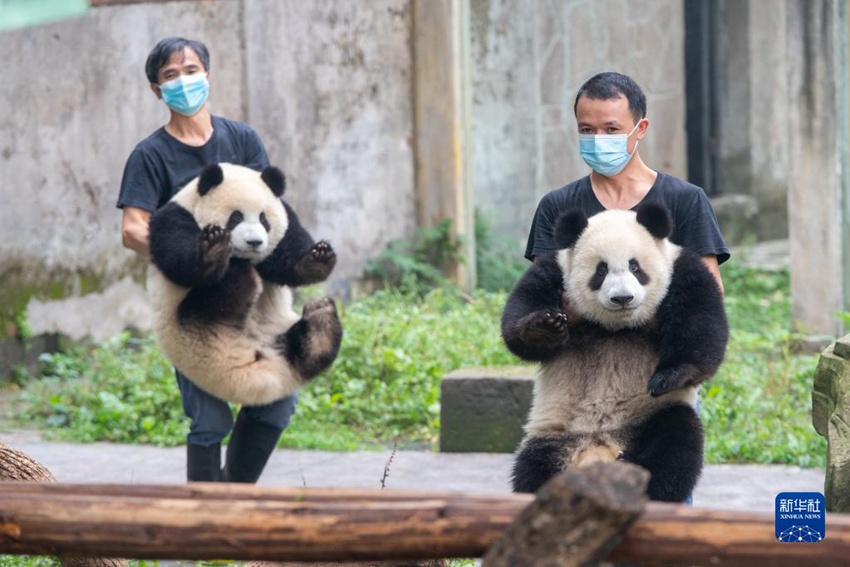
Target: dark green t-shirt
160 165
694 222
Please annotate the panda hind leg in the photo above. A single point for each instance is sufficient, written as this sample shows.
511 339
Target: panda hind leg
539 459
670 446
312 344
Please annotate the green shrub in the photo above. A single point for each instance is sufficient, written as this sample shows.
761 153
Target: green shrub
499 262
758 407
418 264
123 390
385 384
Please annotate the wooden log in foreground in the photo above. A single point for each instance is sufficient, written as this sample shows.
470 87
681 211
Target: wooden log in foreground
575 518
222 521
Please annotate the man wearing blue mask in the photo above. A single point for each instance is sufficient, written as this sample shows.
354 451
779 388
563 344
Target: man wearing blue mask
178 72
610 111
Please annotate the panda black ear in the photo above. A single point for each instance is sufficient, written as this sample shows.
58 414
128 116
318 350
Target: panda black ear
275 179
569 227
211 176
656 219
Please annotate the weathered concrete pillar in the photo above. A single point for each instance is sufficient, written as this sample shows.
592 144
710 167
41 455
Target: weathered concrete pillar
831 418
442 102
819 180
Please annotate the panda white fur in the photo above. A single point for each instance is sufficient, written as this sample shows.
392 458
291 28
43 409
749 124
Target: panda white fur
225 252
626 325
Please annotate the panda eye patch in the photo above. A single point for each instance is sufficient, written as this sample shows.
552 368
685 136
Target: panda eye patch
236 217
634 268
599 276
265 222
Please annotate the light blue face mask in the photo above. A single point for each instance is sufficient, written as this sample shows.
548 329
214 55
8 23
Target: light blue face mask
186 94
606 154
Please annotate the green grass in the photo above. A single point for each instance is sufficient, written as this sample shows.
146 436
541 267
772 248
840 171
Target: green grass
385 385
758 407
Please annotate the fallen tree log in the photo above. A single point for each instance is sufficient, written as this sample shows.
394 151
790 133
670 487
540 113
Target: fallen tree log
243 522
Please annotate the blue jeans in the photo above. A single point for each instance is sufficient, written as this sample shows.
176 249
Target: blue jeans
690 499
211 418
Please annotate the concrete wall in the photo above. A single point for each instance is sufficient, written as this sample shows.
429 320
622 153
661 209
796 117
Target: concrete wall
755 151
530 58
329 96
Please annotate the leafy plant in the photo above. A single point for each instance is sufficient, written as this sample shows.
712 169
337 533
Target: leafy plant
417 264
385 384
122 390
758 407
499 262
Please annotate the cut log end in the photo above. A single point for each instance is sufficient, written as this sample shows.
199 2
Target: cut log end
575 519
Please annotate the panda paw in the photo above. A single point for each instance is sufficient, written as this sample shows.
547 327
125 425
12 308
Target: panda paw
667 380
317 264
322 252
216 248
546 326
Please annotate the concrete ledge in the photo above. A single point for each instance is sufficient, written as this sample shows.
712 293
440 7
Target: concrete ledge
483 410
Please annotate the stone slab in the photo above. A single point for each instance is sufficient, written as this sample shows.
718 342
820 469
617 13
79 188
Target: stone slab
483 410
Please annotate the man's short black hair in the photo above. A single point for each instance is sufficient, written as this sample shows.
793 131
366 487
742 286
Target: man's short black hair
161 52
610 85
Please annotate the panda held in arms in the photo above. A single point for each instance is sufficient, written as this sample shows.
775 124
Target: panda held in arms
625 325
226 251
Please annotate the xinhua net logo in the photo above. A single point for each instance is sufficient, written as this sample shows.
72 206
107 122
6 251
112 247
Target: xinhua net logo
800 517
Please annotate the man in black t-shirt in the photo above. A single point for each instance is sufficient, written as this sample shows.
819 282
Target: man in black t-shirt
610 110
178 71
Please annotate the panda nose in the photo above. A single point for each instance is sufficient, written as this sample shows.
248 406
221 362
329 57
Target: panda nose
622 300
255 243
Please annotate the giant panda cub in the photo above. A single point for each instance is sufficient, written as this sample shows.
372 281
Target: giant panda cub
226 250
625 325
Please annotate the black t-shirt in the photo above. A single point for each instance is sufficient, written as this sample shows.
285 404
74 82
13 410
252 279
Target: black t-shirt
161 164
694 223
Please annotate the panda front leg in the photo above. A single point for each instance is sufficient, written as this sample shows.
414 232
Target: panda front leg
534 322
184 252
229 301
692 327
298 260
312 344
670 446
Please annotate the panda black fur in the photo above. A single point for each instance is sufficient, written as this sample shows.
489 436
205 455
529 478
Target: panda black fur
625 325
225 252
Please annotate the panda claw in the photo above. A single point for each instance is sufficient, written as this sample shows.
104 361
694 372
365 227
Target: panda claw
216 249
317 264
322 252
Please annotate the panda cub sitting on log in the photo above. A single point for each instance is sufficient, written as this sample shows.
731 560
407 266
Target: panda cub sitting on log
625 325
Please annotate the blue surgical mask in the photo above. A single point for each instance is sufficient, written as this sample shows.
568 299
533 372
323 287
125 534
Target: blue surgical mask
186 94
606 154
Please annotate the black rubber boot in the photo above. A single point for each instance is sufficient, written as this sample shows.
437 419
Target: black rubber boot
203 464
251 444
